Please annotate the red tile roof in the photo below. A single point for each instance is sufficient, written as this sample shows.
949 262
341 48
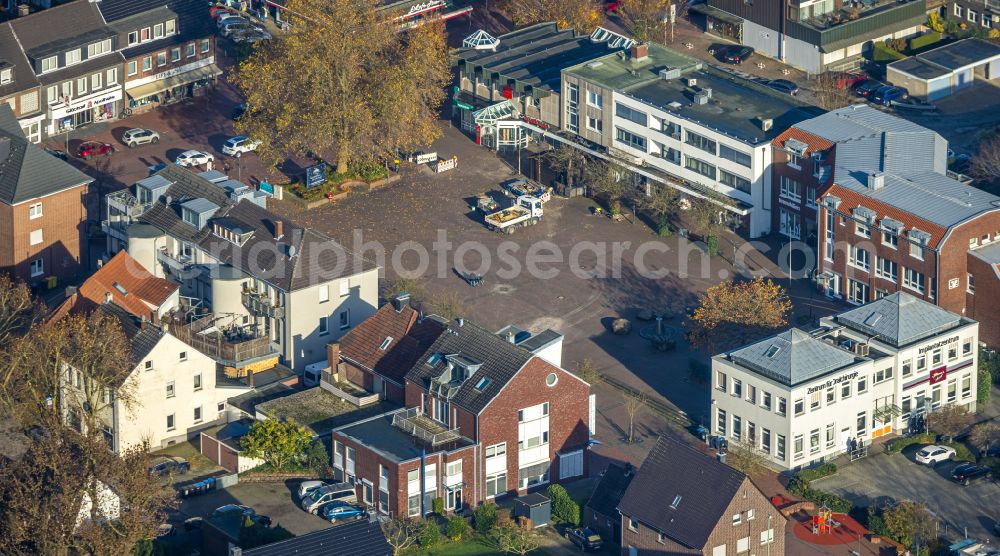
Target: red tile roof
851 199
815 143
411 337
143 291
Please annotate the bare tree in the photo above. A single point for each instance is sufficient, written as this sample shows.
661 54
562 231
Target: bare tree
985 435
18 309
663 203
949 420
516 538
830 91
448 305
404 284
985 163
400 533
611 181
587 370
746 457
568 161
634 401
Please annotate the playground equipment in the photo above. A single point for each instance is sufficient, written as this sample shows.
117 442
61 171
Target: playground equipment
823 521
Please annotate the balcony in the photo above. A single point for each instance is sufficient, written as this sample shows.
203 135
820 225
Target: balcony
426 429
222 339
175 261
260 305
850 25
125 204
116 228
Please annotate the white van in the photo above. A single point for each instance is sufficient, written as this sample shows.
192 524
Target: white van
313 373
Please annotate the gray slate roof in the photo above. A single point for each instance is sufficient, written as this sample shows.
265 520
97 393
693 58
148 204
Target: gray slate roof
59 26
316 258
792 357
142 340
378 433
610 489
500 360
913 158
354 538
899 319
705 486
12 55
26 171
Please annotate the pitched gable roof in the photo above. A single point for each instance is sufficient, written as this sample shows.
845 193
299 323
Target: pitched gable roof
792 357
28 172
899 319
610 489
409 337
851 199
357 538
675 471
486 354
130 285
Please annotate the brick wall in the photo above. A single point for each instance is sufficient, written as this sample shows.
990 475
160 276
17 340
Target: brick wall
804 176
955 263
166 48
984 304
63 225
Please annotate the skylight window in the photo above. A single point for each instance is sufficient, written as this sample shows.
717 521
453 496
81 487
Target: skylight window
482 384
121 289
433 359
772 351
385 343
676 502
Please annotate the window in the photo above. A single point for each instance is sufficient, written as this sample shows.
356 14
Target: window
133 38
170 422
936 357
734 155
496 484
958 10
345 288
197 414
35 237
171 391
132 68
781 447
324 294
551 379
385 343
37 267
721 422
144 34
73 57
175 54
734 181
967 346
700 142
323 326
831 396
862 421
907 368
496 450
595 99
161 58
767 537
81 86
916 251
737 519
595 124
52 95
171 27
633 525
631 114
922 363
800 407
98 48
6 76
971 283
183 356
751 393
221 407
863 383
794 161
147 63
765 440
966 386
890 238
737 388
95 81
862 229
148 365
158 31
782 406
952 393
670 128
383 489
737 427
790 189
191 50
50 64
811 197
797 447
913 280
887 269
672 156
413 505
859 258
720 381
112 77
813 441
765 400
845 391
35 211
814 401
699 167
882 375
971 15
206 45
630 139
830 440
345 319
197 382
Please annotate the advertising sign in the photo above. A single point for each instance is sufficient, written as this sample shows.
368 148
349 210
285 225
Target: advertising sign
316 175
939 374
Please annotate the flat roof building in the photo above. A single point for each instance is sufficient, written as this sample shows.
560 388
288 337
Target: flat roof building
940 72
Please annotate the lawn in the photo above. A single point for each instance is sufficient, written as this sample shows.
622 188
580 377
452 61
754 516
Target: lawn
472 547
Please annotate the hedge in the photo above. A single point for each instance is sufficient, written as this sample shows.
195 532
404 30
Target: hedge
896 446
924 40
962 452
809 475
801 488
882 53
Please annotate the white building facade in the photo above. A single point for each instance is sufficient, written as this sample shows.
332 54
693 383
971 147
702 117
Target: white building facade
803 398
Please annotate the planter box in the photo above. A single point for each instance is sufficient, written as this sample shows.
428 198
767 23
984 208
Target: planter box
358 400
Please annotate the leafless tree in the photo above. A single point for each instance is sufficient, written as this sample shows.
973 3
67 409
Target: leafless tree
949 420
830 91
747 458
587 370
568 161
634 402
516 538
447 305
985 435
401 533
985 163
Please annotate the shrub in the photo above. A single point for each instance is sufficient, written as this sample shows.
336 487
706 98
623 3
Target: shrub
875 522
712 243
564 509
897 446
503 516
370 171
983 387
992 463
430 533
962 452
925 40
824 470
935 23
438 506
455 527
882 53
484 517
799 487
318 459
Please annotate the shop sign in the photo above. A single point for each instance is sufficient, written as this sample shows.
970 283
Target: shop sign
131 84
939 374
316 175
447 164
87 103
936 345
535 122
425 6
462 105
832 382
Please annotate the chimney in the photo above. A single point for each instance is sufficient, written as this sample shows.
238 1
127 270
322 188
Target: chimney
23 10
108 297
460 321
640 52
333 354
401 301
279 229
766 123
511 336
876 181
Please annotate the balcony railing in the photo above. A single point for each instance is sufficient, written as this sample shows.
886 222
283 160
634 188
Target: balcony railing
232 344
261 306
125 203
414 422
116 228
176 261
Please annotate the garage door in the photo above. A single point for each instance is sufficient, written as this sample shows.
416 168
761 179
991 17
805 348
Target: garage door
571 464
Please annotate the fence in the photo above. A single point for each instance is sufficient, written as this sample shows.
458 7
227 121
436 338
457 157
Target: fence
215 345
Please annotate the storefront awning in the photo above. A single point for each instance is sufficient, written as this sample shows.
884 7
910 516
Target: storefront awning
205 72
716 13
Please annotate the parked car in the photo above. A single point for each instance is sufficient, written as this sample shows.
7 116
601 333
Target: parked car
929 455
252 36
165 465
339 511
193 158
851 79
737 54
94 148
866 88
784 86
305 487
139 136
240 509
228 18
232 26
324 495
611 5
585 538
885 95
238 145
968 473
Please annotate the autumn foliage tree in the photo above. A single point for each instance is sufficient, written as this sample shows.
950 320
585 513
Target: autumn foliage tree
344 78
909 522
646 17
732 313
582 15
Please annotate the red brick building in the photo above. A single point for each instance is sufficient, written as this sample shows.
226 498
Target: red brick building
893 220
683 501
43 210
485 417
801 170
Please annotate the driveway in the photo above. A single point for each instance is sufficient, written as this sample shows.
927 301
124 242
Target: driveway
275 500
879 477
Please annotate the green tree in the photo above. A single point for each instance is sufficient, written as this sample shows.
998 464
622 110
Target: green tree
909 522
484 517
646 17
731 313
430 533
582 15
663 203
318 459
610 181
342 78
564 509
455 527
983 385
276 442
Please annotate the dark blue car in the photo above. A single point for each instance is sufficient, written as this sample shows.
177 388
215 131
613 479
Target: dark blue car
885 95
339 511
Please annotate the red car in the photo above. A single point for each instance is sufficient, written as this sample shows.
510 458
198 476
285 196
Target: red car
849 80
611 5
94 148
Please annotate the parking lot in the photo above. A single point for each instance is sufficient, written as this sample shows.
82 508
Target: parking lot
872 480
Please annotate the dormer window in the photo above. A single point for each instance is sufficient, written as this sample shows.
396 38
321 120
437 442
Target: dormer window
73 57
6 76
50 64
133 38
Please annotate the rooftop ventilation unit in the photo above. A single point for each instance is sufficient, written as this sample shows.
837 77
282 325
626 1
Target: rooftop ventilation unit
668 74
692 82
701 97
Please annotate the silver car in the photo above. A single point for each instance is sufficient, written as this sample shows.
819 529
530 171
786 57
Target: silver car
140 136
324 495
